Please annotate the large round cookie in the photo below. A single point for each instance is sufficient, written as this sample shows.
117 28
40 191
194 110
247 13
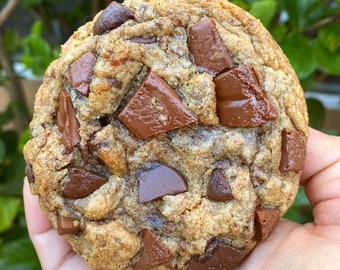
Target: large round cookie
168 135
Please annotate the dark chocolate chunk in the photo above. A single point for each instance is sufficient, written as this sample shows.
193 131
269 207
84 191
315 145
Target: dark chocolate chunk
116 83
67 226
143 40
29 173
80 73
266 221
82 183
67 122
111 18
218 188
217 256
241 101
158 182
154 252
208 48
155 108
293 150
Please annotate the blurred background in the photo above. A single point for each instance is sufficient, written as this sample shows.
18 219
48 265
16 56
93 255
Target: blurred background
31 32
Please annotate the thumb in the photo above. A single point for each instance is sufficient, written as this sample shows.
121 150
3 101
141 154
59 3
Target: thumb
321 177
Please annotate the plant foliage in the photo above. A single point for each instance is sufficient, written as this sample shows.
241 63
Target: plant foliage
307 30
16 250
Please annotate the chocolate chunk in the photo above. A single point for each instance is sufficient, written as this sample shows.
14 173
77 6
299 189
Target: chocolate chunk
266 221
217 256
80 73
241 101
82 183
154 252
218 188
159 181
293 150
29 173
208 48
155 108
116 83
143 40
112 17
67 122
67 226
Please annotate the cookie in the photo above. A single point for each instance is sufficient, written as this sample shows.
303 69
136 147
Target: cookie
168 135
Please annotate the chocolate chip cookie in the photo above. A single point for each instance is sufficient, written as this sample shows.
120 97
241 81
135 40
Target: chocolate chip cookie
168 135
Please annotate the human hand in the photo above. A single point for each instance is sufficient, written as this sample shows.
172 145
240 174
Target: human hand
54 251
291 246
314 245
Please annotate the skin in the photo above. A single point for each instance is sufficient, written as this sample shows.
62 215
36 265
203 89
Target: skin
291 246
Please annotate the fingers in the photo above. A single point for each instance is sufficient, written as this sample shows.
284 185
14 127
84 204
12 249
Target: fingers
53 251
322 151
321 177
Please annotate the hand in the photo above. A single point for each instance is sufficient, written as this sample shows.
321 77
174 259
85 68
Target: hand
314 245
54 252
291 246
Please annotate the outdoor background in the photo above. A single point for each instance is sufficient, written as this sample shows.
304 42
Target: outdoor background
31 32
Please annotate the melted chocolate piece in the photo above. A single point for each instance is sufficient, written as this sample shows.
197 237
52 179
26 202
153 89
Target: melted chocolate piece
241 101
155 108
266 221
80 73
293 150
218 188
143 40
29 173
82 183
158 182
217 256
208 48
67 226
67 122
112 17
154 252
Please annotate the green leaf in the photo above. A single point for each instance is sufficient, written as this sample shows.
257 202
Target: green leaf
9 207
331 131
301 55
37 52
12 188
264 10
10 138
329 37
2 151
18 255
309 82
24 138
36 28
327 62
241 3
279 32
10 41
14 171
31 3
317 113
303 13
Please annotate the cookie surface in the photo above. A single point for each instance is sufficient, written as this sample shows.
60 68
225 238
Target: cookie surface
168 135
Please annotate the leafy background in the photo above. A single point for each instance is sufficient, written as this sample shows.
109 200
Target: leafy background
307 30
